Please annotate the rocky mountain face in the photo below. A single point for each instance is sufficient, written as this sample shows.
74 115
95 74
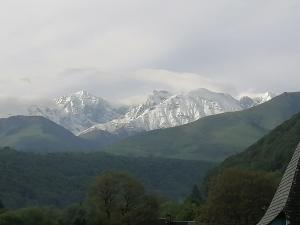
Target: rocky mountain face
212 138
78 111
163 109
248 102
85 114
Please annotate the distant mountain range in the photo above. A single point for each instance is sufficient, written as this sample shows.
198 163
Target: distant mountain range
163 109
88 115
209 138
212 138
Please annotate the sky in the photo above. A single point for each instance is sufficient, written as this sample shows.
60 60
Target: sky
124 49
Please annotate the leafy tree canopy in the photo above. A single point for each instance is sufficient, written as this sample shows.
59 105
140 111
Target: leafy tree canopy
117 199
1 205
238 197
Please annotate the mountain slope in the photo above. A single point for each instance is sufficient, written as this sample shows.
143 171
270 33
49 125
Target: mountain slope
28 179
214 137
34 133
84 113
271 153
101 138
78 111
163 109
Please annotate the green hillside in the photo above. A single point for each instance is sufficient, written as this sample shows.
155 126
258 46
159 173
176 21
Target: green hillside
212 138
28 179
271 153
38 134
100 138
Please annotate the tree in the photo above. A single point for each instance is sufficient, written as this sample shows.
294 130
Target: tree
74 215
238 197
30 216
117 198
195 197
179 210
1 205
186 210
146 213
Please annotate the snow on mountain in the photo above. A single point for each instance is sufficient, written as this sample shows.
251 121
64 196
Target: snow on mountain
264 97
78 111
246 102
163 109
83 113
256 99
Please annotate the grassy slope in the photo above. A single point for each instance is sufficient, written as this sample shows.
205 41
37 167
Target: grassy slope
28 179
38 134
271 153
212 138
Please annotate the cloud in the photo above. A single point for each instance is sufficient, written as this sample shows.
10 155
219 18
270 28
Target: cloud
177 81
11 106
25 80
119 49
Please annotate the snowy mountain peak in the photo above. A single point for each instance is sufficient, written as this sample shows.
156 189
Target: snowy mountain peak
161 93
83 94
163 109
157 97
256 99
78 111
82 112
264 97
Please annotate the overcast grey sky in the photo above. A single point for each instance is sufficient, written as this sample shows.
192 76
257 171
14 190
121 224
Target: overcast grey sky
120 49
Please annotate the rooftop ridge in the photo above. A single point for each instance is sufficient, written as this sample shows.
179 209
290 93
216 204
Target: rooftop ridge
286 199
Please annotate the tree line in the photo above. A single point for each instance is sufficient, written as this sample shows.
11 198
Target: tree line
116 198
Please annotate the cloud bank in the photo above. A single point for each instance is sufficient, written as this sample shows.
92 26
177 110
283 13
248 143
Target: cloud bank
122 49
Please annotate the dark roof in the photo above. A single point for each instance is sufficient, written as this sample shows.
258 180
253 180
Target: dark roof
163 221
287 197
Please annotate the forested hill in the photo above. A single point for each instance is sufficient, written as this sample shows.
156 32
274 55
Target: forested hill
38 134
215 137
271 153
28 179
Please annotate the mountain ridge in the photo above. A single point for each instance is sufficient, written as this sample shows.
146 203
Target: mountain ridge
82 112
215 137
163 109
38 134
78 111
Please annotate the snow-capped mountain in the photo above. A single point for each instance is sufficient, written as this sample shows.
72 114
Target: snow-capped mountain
83 113
163 109
264 97
78 111
256 99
